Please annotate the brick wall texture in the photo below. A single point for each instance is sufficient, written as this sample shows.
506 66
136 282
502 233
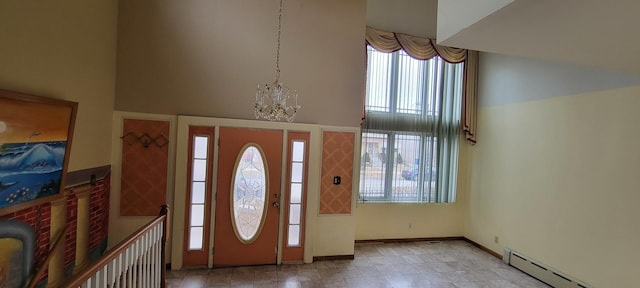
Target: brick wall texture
39 218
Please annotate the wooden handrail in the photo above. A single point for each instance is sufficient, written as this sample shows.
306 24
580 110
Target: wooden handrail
87 273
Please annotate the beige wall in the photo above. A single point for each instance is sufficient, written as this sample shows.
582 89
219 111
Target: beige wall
556 178
413 17
66 51
402 221
205 58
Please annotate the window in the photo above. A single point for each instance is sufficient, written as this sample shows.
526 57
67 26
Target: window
199 164
295 194
410 132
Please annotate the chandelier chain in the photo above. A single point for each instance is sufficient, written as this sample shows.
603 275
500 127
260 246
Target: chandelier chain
278 47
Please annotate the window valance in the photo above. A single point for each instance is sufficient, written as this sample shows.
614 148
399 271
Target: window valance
423 49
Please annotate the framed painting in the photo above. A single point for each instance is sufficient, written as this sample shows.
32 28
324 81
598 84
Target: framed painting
35 142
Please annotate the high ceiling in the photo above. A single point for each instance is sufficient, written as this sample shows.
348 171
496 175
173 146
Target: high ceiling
592 33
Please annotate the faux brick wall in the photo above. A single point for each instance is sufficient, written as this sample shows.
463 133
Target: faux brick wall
99 212
39 218
70 235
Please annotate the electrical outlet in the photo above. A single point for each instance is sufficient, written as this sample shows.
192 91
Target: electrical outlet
496 239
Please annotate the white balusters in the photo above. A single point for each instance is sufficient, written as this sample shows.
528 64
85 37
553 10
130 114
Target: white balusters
136 262
138 265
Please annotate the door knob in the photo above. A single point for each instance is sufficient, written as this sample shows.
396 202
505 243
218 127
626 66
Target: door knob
276 204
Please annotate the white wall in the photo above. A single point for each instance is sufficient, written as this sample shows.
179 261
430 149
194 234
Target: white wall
66 51
555 177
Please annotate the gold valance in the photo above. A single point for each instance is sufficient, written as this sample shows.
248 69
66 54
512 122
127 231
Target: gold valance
416 47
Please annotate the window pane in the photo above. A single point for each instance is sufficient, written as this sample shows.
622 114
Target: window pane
296 172
197 215
296 193
294 235
410 84
294 214
195 238
199 170
200 144
430 170
378 72
298 151
406 168
197 192
373 169
434 87
249 193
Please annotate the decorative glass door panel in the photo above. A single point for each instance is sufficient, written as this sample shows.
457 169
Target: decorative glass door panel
249 194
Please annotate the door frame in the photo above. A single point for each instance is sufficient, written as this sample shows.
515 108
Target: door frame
181 162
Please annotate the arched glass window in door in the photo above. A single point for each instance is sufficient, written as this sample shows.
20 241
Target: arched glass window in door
249 193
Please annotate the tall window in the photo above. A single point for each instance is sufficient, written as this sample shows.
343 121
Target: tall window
410 132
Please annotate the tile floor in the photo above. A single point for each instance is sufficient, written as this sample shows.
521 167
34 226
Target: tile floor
416 264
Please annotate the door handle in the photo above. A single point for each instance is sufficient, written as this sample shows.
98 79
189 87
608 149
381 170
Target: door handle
276 204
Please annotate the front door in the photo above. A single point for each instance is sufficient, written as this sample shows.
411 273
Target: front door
247 197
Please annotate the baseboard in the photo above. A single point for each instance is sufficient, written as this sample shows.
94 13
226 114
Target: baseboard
332 258
405 240
485 249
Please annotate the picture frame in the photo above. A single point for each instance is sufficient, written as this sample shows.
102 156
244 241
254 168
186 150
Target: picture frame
35 143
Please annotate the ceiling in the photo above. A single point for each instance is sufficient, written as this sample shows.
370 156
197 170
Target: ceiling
593 33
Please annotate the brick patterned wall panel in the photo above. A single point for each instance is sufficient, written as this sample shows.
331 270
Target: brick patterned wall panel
72 228
337 160
39 218
99 212
145 153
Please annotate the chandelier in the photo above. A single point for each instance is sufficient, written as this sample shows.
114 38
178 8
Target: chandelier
271 98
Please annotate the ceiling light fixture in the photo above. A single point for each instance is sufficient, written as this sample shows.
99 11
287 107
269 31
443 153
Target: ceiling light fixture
271 98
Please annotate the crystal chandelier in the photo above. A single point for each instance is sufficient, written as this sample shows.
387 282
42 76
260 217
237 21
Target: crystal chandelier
271 98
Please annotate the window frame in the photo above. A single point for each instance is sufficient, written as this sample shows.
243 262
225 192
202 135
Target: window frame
430 110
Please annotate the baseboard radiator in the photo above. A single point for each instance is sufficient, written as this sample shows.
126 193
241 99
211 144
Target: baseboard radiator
540 271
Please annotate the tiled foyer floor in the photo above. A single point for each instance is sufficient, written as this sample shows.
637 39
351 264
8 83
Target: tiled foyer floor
417 264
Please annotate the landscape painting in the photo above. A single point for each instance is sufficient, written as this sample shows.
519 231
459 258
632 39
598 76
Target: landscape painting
35 140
